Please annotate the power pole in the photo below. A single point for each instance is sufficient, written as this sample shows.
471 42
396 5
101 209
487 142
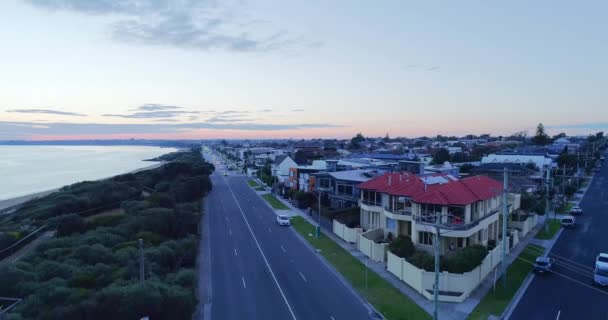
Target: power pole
504 227
547 199
318 231
436 287
141 261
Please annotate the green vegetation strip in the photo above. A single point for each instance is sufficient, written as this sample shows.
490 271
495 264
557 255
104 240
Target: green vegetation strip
496 301
548 233
565 208
274 202
252 183
382 295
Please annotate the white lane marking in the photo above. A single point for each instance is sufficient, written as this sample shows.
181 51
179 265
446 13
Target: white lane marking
269 229
244 284
558 313
285 251
262 252
236 254
303 277
230 231
332 318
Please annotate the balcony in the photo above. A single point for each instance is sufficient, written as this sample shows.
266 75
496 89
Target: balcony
398 214
455 223
370 205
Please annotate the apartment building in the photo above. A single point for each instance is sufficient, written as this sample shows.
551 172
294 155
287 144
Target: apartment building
406 204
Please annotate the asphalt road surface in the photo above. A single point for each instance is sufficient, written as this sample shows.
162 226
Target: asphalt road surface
569 292
260 270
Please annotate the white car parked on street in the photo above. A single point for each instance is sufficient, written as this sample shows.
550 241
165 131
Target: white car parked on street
283 220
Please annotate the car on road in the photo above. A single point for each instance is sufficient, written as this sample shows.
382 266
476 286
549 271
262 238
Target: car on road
225 174
283 220
576 210
567 221
543 265
600 275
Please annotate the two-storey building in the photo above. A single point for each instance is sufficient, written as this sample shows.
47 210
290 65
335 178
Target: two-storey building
466 211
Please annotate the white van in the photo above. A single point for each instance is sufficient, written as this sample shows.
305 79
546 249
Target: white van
600 275
568 221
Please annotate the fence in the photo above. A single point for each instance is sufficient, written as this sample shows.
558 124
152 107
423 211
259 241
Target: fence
453 287
350 235
367 244
524 226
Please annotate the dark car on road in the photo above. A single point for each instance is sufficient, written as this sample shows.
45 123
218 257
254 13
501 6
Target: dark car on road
543 265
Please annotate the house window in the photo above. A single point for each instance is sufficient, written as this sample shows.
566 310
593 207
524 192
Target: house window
345 189
425 238
390 224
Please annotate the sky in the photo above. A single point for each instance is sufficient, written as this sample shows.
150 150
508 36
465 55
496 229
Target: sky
200 69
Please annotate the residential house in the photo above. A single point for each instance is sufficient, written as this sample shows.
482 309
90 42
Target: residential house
540 162
405 204
280 168
300 177
341 186
521 178
445 168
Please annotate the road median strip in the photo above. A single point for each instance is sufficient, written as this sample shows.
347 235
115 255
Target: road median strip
382 295
550 231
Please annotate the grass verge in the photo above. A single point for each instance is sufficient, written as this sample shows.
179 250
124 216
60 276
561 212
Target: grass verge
549 233
495 302
252 183
260 189
382 295
565 208
274 202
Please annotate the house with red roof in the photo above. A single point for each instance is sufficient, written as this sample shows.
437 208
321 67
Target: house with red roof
405 204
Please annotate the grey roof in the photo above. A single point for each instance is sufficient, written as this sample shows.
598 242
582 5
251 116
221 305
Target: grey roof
279 159
354 175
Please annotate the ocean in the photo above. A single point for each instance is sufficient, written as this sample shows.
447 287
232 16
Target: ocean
31 169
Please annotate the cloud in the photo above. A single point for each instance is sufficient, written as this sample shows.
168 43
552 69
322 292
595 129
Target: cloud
297 110
22 130
265 110
225 119
422 67
191 24
586 125
47 111
155 107
151 114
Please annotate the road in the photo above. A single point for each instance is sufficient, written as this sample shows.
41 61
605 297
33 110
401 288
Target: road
570 294
260 270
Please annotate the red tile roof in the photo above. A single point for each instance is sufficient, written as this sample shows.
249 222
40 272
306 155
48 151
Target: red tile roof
458 192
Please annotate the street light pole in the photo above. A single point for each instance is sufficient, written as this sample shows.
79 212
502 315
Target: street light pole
436 286
504 228
318 231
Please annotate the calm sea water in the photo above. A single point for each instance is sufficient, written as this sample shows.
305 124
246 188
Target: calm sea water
30 169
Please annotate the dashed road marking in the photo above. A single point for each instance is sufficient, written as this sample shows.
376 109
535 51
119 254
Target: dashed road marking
303 277
244 284
235 253
285 251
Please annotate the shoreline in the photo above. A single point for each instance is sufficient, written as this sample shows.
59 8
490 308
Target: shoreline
7 204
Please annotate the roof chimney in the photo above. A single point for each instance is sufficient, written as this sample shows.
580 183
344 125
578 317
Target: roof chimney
389 179
425 185
401 177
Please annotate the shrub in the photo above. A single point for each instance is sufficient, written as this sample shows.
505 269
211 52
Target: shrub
422 260
402 247
466 259
70 224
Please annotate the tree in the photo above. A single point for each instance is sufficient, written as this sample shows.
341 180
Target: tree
355 142
70 224
442 155
541 137
559 136
568 160
386 138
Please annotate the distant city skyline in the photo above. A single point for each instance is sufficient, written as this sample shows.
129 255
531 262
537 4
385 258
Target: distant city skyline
235 69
